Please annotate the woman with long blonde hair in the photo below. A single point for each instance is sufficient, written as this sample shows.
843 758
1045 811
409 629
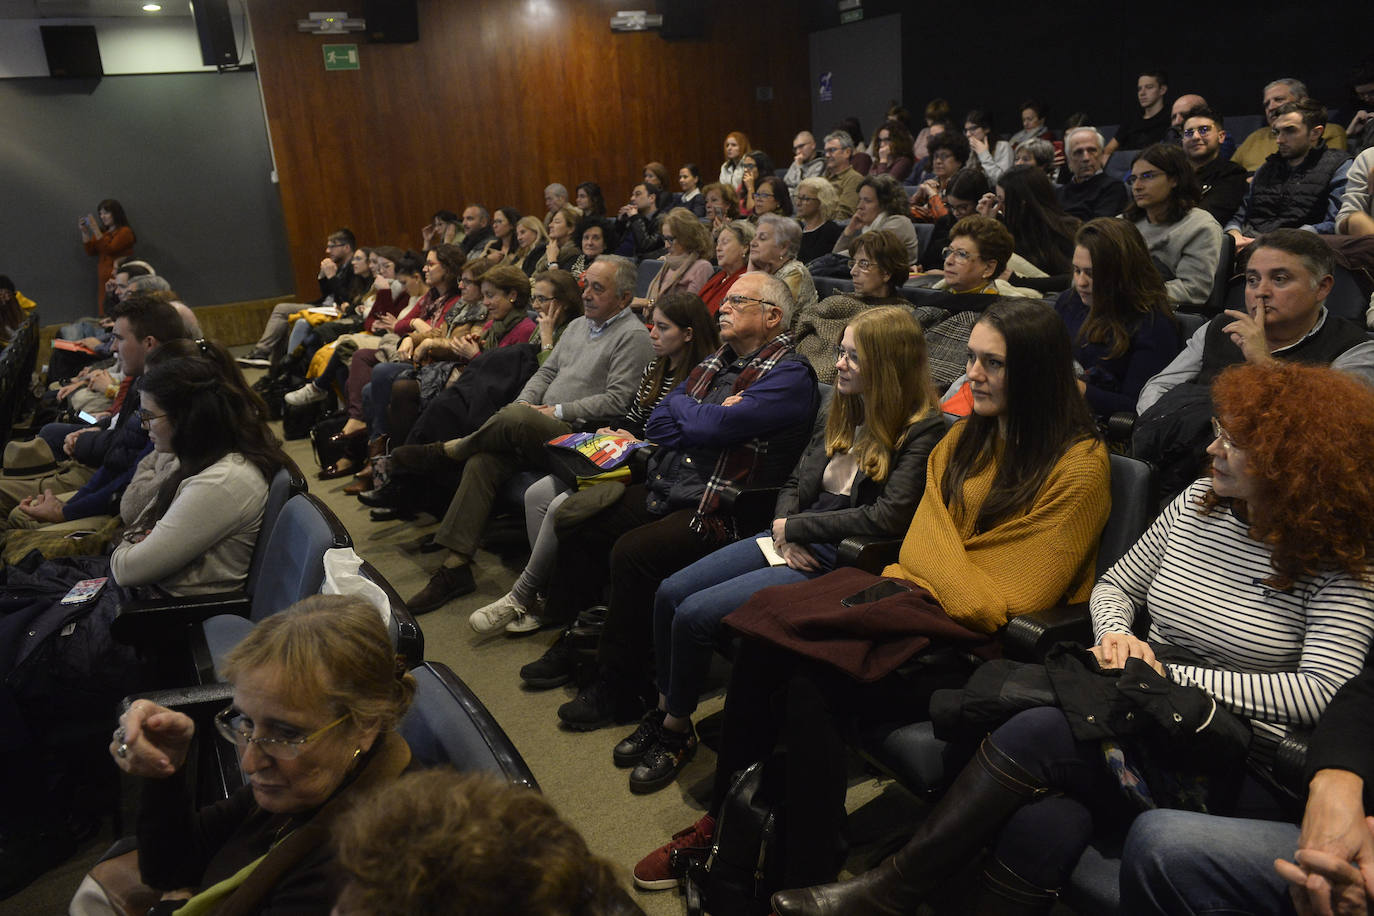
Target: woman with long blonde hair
531 240
862 474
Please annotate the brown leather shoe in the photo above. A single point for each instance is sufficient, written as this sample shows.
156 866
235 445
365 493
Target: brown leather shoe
360 484
420 458
448 582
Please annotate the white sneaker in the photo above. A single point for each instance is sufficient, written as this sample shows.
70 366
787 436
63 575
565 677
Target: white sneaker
496 615
524 622
255 360
306 394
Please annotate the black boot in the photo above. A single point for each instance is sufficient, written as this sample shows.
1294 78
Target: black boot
1002 892
987 792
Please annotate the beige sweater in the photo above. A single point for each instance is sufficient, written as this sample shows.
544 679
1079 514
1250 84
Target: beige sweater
205 540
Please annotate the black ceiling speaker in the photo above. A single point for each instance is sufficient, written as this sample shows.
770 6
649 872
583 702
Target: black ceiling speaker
682 19
392 20
72 51
216 30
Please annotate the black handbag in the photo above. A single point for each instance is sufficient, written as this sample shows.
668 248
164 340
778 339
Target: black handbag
743 867
328 450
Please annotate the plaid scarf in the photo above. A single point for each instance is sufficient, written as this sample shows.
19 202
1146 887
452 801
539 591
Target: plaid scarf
737 462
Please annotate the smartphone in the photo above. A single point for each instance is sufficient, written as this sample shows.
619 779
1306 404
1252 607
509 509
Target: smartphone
84 591
86 417
882 589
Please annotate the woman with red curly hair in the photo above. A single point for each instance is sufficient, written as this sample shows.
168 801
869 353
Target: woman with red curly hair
1259 588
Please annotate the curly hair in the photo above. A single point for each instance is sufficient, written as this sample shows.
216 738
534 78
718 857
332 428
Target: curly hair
1306 432
441 842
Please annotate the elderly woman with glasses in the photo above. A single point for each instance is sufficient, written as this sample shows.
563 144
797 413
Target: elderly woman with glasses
686 263
318 693
882 205
878 267
774 251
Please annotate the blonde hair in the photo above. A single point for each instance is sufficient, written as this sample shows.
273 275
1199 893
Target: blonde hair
826 195
535 225
689 232
336 652
897 389
438 841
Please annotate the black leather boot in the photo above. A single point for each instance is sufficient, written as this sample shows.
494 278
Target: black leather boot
1001 892
988 791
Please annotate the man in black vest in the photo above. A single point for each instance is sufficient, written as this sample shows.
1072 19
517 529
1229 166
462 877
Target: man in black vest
1298 187
1288 277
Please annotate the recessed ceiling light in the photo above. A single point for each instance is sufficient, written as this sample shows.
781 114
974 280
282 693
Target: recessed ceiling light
152 7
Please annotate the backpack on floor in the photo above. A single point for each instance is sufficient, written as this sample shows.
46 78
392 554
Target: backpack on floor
743 867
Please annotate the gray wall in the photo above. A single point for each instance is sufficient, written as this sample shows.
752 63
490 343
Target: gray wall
866 60
186 154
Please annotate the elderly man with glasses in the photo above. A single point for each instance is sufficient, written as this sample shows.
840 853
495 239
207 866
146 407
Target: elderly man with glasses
805 163
741 419
839 151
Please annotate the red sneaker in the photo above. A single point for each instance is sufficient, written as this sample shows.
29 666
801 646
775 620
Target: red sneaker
654 873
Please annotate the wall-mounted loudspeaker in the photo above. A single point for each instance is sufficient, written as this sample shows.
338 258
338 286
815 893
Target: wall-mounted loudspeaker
392 20
216 30
72 51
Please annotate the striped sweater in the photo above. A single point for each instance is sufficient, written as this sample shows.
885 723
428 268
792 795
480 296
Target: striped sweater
1279 656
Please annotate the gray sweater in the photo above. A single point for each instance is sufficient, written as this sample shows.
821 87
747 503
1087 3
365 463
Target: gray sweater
1190 248
204 542
592 376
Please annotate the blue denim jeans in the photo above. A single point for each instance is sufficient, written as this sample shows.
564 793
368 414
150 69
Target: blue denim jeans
1184 862
689 607
378 394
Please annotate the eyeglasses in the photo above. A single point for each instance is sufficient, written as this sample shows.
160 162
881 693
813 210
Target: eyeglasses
540 300
236 728
670 239
798 147
848 356
833 150
1220 434
737 303
1132 178
763 195
146 418
336 244
959 254
1201 130
863 264
802 199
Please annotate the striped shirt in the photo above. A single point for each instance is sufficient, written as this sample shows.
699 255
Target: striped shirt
1279 656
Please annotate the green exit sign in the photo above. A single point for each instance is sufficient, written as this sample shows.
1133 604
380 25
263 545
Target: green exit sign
341 57
849 16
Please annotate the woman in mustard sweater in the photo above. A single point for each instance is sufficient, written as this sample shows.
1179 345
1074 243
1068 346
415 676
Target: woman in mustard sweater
1015 499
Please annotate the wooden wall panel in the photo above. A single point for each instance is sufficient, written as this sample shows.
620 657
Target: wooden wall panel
501 97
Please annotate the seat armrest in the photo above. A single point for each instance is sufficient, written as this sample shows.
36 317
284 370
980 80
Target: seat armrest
1120 425
1029 636
153 620
410 642
871 554
198 702
752 508
1290 763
